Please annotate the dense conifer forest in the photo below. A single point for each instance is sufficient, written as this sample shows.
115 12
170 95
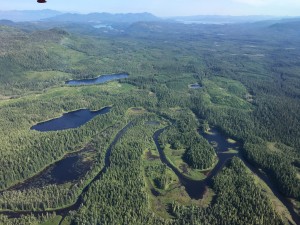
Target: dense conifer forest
184 81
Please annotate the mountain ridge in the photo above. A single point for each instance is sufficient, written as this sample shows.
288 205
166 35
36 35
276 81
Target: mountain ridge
27 15
104 17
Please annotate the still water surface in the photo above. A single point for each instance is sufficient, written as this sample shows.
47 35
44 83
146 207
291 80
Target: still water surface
98 80
69 120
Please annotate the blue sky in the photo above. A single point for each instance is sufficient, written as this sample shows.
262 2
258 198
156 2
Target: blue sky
165 8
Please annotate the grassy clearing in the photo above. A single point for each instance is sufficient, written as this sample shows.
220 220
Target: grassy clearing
111 87
47 75
182 83
66 221
175 157
176 192
209 131
231 141
54 221
160 199
74 92
227 93
69 56
272 148
156 204
4 97
136 111
159 202
231 151
231 86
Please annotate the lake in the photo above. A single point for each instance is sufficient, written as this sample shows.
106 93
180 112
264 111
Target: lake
98 80
69 120
71 168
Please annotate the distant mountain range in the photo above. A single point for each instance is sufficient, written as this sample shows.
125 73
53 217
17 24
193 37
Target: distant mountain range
129 18
104 17
288 24
27 15
223 19
56 16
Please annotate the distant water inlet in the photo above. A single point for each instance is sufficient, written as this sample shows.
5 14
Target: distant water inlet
69 120
98 80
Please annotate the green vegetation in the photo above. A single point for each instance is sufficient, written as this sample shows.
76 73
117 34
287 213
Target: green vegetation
251 94
226 92
55 221
246 204
277 204
123 178
55 195
198 154
279 168
29 219
175 156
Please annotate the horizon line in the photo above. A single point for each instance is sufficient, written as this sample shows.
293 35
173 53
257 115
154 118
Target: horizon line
115 13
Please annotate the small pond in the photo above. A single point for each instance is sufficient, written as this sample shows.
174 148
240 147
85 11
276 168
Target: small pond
195 86
70 169
98 80
69 120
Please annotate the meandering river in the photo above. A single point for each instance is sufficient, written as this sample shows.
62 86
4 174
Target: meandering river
196 189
